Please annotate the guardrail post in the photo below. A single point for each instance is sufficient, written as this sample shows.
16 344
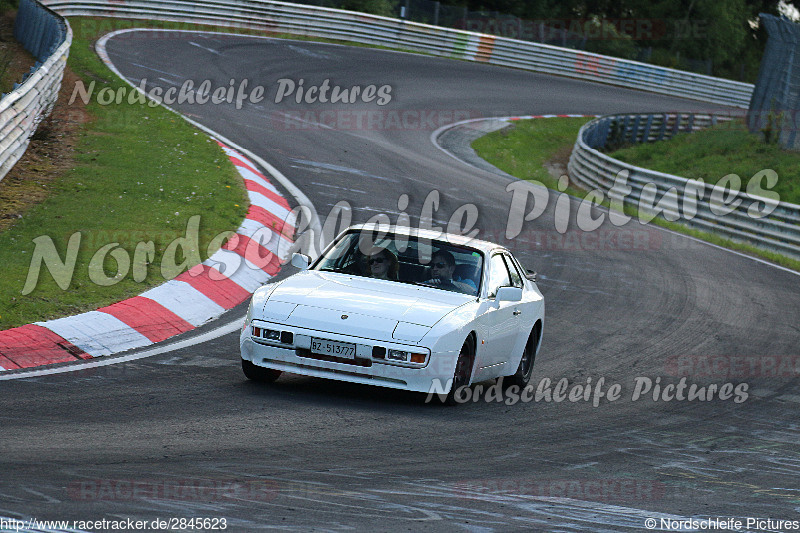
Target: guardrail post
663 129
625 132
635 130
677 126
646 136
604 128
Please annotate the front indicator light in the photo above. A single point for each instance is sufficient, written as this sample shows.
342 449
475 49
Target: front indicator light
418 358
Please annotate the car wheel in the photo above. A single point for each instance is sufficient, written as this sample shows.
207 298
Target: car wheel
463 371
525 369
258 373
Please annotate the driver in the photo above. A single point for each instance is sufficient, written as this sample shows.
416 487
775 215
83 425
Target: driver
443 264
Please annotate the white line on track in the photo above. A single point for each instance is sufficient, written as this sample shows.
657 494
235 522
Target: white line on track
204 48
146 68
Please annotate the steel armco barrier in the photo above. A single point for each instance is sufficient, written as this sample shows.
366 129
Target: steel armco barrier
281 17
779 231
48 36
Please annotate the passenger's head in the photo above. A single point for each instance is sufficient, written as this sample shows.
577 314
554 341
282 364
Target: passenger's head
381 263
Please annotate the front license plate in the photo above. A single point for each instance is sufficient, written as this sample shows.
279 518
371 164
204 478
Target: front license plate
336 349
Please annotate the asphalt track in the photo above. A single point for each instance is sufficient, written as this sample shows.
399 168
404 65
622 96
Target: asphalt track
196 439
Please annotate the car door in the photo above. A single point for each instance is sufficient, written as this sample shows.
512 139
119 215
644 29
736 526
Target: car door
501 320
524 323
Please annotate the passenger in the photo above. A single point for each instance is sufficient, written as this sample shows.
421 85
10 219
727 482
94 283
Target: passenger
443 265
383 264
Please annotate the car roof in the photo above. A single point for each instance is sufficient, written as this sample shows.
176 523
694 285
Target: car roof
484 246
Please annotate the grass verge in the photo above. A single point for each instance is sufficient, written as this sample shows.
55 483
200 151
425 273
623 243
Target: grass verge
137 174
710 154
527 148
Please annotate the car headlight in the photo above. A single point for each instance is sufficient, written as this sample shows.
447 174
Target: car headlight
405 357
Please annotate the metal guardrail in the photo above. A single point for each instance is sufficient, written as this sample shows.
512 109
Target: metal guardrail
272 17
775 103
48 36
39 30
699 205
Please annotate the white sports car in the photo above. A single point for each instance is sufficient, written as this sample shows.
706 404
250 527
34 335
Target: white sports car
406 309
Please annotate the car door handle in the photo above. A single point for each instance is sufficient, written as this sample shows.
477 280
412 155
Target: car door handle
517 312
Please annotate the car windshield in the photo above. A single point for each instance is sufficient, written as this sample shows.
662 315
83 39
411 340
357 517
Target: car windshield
406 259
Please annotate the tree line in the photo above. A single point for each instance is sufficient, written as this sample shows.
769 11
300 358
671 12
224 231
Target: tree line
717 37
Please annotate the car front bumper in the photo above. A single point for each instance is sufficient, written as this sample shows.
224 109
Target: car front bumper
368 366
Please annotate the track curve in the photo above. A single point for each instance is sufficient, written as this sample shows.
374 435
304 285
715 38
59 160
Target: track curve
310 454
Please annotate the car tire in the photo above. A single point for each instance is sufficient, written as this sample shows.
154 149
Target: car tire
258 373
525 369
462 372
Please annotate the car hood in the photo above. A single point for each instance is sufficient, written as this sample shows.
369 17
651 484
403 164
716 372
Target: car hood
314 291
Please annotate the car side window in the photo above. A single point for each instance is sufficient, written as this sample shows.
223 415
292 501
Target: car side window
498 275
516 278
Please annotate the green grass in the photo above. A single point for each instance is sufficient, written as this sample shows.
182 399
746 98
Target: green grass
523 150
140 173
711 154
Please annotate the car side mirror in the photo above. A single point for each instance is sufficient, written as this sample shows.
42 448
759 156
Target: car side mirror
530 274
300 261
508 294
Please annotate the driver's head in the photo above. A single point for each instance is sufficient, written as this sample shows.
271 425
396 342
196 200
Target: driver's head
442 265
